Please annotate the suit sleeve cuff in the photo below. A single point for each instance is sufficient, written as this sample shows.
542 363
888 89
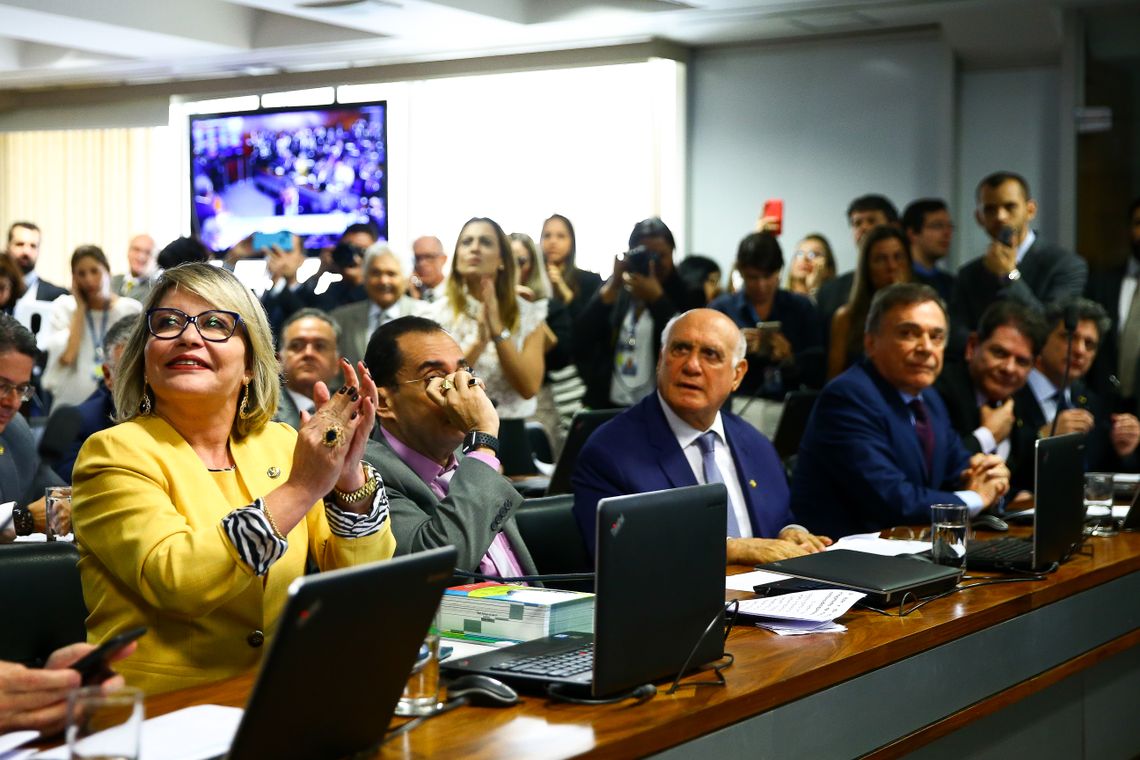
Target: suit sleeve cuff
985 438
973 502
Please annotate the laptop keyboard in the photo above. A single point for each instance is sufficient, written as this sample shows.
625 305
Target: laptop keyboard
578 660
1008 549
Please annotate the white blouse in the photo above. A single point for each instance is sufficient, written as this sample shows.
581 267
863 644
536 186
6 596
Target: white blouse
465 329
72 385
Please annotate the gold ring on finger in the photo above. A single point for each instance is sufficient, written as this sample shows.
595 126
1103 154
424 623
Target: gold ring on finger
445 385
334 436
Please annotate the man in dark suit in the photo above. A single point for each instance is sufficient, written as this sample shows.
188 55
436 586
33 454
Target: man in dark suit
979 391
1017 264
429 405
879 448
625 317
23 477
1112 438
24 250
929 230
679 436
1116 370
309 350
384 282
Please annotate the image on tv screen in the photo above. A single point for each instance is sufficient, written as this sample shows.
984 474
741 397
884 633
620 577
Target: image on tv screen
309 171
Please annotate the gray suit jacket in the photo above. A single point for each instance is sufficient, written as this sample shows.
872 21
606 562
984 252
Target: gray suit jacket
139 291
287 411
23 477
480 503
355 330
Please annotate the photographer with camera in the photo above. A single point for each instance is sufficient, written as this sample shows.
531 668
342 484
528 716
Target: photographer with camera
625 318
783 330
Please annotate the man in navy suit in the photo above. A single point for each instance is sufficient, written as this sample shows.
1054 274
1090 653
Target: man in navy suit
679 436
879 448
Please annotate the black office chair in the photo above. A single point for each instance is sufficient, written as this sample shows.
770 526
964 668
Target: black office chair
42 601
539 439
793 422
551 534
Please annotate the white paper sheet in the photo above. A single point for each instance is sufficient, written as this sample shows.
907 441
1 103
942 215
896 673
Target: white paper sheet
799 627
819 606
192 733
872 544
14 739
748 581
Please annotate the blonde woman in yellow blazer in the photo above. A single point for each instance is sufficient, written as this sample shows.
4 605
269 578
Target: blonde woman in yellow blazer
196 512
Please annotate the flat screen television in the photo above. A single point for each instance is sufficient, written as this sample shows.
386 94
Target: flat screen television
311 171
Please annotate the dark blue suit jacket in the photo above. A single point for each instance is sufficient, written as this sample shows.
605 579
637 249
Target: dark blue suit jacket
96 413
860 467
636 452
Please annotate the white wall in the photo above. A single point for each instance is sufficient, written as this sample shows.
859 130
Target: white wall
816 124
1009 120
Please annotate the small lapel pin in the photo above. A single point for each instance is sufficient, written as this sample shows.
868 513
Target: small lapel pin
273 472
752 483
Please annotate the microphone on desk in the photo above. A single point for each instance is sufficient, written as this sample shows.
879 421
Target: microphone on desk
1071 317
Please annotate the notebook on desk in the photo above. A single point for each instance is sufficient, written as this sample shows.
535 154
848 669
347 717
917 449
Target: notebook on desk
660 585
1058 518
341 656
885 580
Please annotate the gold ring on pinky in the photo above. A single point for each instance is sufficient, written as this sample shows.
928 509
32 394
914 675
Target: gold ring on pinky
445 385
334 436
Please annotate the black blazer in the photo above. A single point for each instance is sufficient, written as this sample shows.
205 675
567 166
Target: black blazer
1048 273
1099 454
598 326
1104 288
49 291
957 391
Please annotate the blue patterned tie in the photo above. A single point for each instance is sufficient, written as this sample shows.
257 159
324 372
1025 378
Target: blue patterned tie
707 441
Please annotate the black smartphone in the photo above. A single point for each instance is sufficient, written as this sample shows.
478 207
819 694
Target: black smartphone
95 666
638 259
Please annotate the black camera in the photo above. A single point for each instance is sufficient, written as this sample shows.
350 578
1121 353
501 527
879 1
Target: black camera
638 259
346 255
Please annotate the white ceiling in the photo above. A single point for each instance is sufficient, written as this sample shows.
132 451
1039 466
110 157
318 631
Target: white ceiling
54 43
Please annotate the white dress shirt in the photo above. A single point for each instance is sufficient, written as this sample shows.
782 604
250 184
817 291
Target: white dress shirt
687 436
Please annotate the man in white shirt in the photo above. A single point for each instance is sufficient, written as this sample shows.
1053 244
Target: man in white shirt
24 250
427 277
309 349
680 436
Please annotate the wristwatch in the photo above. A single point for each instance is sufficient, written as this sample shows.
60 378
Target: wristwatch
476 440
1013 275
505 334
23 521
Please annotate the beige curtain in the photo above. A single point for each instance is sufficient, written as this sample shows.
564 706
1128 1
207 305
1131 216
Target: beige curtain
99 186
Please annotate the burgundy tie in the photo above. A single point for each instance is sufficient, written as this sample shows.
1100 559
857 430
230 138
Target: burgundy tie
924 431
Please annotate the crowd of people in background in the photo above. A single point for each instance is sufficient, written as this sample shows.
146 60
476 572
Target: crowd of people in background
932 386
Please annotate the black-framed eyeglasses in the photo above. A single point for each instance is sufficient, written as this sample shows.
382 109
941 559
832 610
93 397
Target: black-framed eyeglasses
214 325
24 390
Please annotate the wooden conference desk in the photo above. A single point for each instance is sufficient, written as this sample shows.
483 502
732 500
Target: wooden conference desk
1034 669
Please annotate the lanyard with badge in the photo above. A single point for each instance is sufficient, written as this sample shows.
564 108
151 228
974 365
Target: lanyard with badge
97 340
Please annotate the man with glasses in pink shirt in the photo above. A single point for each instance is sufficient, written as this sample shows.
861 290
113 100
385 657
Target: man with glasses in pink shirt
436 448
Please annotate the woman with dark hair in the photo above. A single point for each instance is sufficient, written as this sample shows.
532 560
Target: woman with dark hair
11 284
702 275
883 260
783 331
502 335
812 265
570 285
78 324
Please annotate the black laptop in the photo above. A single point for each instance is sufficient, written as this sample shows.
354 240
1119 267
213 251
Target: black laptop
660 586
885 580
1058 519
340 658
582 427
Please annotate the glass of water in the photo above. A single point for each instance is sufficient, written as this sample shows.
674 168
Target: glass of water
949 524
1098 502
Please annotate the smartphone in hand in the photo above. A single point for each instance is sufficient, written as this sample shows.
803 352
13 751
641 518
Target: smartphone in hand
95 666
774 207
